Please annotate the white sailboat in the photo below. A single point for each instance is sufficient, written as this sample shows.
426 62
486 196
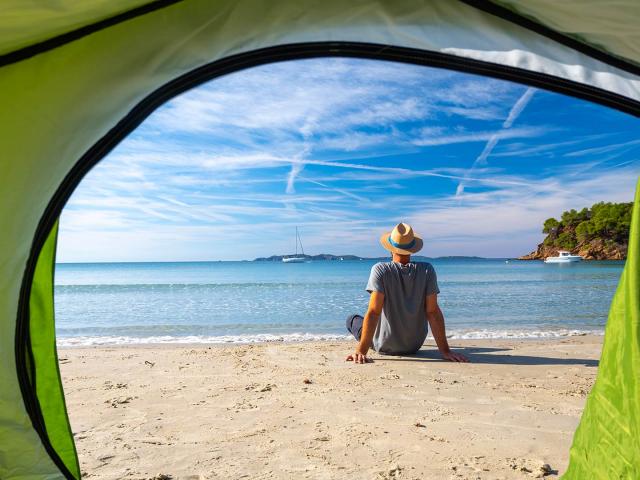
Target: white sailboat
296 258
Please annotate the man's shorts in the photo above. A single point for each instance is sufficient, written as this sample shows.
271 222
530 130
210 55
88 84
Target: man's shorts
354 325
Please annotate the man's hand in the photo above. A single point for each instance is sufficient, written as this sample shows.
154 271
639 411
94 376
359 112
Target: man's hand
358 358
454 357
436 321
369 324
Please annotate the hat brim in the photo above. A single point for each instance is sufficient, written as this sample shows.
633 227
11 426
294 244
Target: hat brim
384 241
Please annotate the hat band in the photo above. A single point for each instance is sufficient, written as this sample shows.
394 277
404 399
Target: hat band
402 245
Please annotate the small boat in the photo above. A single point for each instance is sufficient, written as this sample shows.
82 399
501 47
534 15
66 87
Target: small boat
296 258
563 257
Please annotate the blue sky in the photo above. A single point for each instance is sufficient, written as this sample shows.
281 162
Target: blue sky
345 149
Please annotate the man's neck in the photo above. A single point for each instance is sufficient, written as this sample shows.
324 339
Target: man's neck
403 259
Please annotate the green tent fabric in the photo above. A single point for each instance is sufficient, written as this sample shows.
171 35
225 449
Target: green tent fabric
611 418
45 374
77 76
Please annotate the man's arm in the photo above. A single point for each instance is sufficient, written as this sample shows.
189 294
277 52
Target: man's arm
369 324
436 322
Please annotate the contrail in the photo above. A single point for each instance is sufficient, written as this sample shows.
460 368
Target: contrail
514 113
519 106
339 190
296 168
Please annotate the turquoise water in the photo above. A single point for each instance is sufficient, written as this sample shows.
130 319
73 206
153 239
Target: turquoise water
114 303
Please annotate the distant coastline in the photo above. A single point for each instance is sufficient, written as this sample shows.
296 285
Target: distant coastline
278 258
327 257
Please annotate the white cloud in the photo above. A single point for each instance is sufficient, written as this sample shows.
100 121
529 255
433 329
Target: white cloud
605 149
275 100
432 139
518 149
339 190
350 142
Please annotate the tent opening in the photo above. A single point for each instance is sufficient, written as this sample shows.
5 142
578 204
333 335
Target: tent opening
177 237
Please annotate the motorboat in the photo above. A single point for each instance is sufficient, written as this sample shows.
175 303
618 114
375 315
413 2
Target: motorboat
563 257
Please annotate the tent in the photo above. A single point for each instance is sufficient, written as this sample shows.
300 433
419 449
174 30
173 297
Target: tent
76 76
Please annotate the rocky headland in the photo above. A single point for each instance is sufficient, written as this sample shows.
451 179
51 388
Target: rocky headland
597 249
597 233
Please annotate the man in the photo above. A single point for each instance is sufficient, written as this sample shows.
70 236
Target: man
404 297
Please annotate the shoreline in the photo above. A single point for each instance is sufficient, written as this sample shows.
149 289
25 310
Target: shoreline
247 411
296 338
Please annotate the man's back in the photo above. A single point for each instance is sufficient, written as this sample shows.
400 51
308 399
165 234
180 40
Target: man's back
403 323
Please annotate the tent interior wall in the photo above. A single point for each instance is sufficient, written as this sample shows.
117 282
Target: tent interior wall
77 78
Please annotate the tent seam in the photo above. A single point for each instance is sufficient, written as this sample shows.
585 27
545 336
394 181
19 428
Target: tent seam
73 35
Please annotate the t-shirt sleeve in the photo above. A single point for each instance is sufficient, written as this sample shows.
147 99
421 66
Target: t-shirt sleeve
376 283
432 281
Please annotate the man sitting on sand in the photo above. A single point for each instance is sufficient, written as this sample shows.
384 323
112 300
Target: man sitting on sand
405 295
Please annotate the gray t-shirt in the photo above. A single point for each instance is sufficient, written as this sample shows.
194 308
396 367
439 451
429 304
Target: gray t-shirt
403 323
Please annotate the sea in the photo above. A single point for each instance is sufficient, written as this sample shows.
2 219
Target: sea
248 302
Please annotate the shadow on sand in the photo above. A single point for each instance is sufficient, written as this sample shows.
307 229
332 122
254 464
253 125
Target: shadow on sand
485 355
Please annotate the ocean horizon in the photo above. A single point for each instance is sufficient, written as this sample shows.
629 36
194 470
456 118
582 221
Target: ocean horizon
218 302
415 258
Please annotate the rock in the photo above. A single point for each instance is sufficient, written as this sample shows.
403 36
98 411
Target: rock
394 471
546 469
119 401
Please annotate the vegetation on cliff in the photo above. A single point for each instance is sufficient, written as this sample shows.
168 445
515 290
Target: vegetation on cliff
599 233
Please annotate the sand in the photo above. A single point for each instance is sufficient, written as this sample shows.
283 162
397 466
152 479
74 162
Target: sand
300 411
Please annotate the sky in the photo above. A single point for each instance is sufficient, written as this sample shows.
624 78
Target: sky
345 149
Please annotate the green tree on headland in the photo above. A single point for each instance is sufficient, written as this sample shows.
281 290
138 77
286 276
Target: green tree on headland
550 225
607 221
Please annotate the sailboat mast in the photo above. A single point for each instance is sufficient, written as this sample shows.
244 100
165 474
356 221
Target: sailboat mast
296 241
300 240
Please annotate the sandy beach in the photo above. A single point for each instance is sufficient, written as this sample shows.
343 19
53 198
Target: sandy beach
298 410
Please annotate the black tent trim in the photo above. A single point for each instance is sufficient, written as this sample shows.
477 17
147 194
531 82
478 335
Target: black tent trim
571 42
24 356
484 5
68 37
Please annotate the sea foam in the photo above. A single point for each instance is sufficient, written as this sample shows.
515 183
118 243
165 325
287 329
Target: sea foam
189 339
84 341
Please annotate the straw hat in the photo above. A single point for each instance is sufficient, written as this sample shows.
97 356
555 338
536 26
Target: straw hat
401 240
